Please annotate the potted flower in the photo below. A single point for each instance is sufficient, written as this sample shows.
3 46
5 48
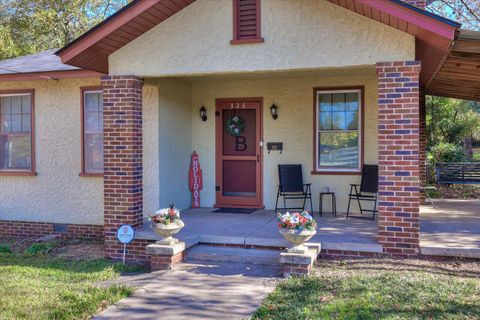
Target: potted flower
166 222
296 227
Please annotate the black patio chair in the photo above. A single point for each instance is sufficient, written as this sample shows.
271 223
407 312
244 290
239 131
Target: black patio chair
291 186
367 190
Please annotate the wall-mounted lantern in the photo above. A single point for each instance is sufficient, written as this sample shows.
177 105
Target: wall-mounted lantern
203 113
274 111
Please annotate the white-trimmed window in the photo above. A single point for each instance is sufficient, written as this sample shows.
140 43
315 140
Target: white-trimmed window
16 132
338 130
92 131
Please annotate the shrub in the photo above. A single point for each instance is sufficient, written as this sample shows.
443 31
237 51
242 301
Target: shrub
39 248
5 249
447 152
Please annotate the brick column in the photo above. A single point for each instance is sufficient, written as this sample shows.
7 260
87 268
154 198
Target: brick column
398 158
418 3
122 142
423 143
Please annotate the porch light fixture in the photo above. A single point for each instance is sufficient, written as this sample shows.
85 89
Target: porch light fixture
203 113
274 111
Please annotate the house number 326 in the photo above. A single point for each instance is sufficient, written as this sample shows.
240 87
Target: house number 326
237 105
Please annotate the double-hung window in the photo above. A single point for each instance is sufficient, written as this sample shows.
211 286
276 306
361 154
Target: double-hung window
16 132
92 131
338 131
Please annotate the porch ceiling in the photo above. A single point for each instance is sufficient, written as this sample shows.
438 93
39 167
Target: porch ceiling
459 75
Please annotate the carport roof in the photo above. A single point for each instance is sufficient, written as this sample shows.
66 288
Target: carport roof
459 74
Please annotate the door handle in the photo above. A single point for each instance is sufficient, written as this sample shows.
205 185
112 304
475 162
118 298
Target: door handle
258 158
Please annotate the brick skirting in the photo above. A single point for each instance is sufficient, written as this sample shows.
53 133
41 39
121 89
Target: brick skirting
136 250
37 229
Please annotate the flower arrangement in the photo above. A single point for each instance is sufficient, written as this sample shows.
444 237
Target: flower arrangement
165 215
235 125
296 221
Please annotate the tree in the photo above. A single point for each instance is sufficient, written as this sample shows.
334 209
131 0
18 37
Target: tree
467 12
452 120
31 26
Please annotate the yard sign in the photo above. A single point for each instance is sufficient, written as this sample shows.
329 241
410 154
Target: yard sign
195 180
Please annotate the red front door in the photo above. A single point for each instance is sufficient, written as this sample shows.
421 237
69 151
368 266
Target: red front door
239 153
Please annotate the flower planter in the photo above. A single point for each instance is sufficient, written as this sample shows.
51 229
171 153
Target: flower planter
298 238
167 230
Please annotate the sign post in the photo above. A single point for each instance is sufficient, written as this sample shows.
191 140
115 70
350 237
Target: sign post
195 180
125 235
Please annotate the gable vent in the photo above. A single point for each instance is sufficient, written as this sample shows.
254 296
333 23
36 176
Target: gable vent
246 15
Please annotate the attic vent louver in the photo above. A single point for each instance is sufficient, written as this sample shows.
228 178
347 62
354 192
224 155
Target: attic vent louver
246 25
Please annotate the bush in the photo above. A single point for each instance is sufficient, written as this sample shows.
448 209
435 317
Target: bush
5 249
447 152
39 248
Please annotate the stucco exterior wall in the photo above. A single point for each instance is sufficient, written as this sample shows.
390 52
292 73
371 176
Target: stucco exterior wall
57 194
294 127
175 142
151 164
299 34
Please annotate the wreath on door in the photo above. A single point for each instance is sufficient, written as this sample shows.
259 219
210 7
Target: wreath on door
235 125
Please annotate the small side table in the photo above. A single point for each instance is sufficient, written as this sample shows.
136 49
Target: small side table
334 203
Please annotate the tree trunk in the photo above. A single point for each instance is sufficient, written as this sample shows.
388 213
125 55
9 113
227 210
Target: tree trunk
467 143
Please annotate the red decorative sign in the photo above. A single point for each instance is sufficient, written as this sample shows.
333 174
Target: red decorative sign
195 180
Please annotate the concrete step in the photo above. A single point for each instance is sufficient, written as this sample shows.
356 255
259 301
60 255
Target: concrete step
234 255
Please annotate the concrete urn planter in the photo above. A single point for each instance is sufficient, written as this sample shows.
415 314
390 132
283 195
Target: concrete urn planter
298 238
167 231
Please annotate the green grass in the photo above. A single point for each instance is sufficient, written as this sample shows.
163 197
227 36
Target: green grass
378 289
44 287
476 156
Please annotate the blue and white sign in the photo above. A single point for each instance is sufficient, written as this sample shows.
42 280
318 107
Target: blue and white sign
125 234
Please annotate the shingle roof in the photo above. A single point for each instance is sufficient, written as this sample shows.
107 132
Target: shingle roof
40 62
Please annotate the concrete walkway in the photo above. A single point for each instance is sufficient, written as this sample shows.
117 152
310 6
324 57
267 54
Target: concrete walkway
454 223
198 291
451 229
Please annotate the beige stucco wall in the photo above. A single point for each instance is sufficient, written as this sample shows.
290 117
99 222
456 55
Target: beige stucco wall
294 127
299 34
151 164
57 193
175 142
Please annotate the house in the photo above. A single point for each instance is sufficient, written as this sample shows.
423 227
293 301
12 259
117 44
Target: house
100 133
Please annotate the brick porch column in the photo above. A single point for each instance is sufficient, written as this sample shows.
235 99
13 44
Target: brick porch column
418 3
398 158
423 143
123 170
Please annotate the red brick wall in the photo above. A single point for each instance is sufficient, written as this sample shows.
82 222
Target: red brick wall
38 229
423 144
136 251
398 158
158 262
419 3
123 170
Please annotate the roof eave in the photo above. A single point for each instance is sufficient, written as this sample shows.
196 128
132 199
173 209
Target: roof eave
50 75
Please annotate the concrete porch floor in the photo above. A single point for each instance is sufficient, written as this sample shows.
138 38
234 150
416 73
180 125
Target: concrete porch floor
260 228
452 229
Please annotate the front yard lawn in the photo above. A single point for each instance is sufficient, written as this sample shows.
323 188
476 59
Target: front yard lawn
36 285
379 289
